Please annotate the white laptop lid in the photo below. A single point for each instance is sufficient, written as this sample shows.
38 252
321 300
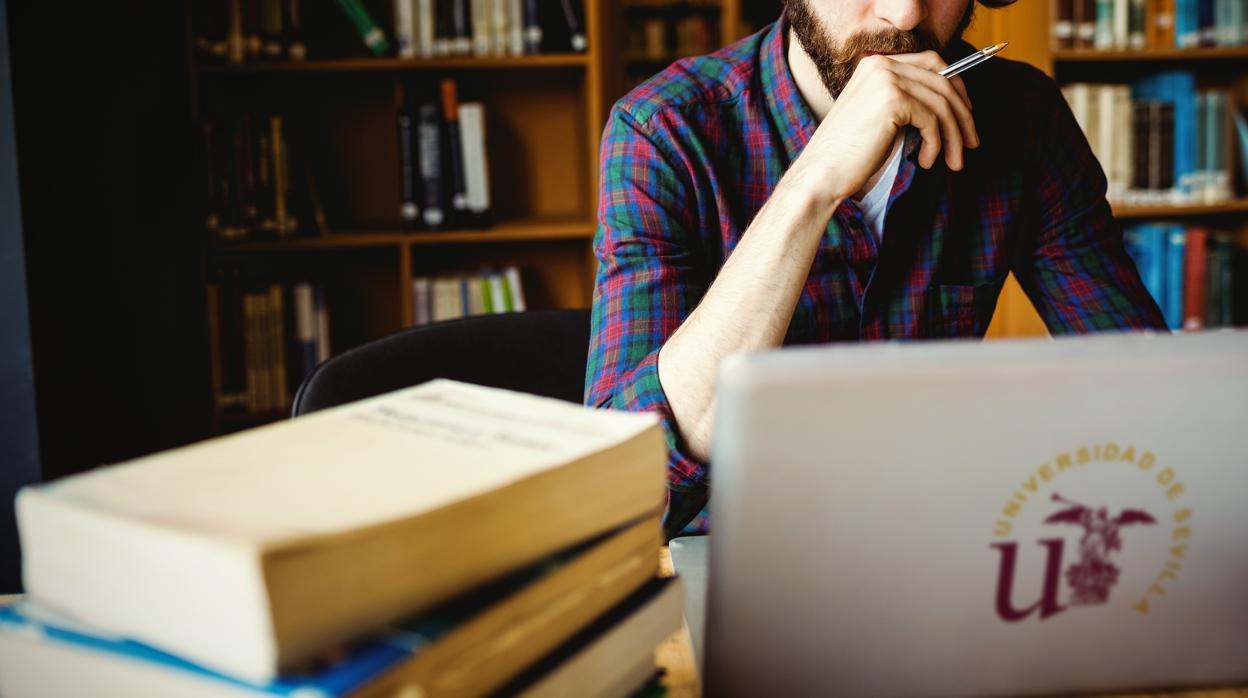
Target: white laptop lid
869 499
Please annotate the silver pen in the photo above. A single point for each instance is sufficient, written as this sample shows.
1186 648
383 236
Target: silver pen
972 60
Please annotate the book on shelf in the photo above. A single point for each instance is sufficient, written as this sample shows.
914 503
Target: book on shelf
185 550
1188 270
1159 140
443 167
1148 24
471 645
369 30
435 299
256 186
264 339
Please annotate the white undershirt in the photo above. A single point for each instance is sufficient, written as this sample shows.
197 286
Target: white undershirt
874 203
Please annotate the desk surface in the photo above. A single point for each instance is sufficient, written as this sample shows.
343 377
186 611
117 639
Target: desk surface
675 657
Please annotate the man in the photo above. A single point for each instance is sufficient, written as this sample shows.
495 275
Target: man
820 182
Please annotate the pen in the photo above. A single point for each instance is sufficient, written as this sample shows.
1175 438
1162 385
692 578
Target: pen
972 60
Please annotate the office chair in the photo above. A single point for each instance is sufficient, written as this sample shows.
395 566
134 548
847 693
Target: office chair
540 352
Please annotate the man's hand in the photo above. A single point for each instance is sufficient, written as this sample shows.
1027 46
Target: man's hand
884 95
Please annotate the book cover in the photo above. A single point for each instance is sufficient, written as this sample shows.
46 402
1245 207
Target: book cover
305 326
296 49
461 27
515 289
426 28
1063 24
1104 38
481 27
405 36
1137 24
185 551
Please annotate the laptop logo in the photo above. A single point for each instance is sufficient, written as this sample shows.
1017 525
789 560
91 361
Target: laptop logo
1094 571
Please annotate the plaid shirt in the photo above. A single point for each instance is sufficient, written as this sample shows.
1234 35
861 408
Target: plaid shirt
690 156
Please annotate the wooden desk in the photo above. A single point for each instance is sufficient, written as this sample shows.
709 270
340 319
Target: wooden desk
675 656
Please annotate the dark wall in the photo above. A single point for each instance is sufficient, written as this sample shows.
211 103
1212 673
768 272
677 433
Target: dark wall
101 92
19 438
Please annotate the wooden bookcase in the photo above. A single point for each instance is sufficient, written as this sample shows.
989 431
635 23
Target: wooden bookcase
1026 25
544 117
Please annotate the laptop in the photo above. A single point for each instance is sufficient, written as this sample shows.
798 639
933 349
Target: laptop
970 519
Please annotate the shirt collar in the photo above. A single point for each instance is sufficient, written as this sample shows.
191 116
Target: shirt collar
789 112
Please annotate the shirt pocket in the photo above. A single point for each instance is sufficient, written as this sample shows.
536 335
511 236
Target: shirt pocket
956 310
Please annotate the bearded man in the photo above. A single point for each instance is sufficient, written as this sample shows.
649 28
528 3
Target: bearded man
820 182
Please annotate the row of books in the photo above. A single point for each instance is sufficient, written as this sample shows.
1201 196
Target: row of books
1160 140
1188 270
263 341
435 299
241 31
427 28
443 168
1153 24
254 185
442 540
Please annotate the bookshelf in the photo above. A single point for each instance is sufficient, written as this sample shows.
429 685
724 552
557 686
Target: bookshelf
1026 25
544 114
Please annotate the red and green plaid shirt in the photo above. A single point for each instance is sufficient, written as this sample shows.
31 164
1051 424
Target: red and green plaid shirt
690 156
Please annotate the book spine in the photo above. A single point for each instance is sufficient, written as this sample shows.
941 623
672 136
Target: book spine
515 289
281 179
212 307
323 343
212 187
1106 122
515 27
236 51
499 297
481 27
372 35
1194 281
532 28
1140 146
409 210
271 29
277 324
296 49
1122 23
405 27
461 28
256 177
253 40
1137 24
579 43
1063 23
476 300
1205 21
476 167
426 25
1225 270
500 27
305 326
1187 24
429 138
1124 155
421 298
1155 245
1085 23
1200 178
487 293
1176 260
1220 152
443 31
454 151
1104 38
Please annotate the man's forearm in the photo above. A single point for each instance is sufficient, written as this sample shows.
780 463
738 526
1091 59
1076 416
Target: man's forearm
747 308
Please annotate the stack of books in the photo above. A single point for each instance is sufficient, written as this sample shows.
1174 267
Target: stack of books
1189 270
1162 141
443 540
1149 24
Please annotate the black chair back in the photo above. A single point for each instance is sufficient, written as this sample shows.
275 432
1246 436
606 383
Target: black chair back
540 352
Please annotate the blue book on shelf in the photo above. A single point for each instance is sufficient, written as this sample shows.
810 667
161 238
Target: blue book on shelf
1179 88
1241 133
27 622
1146 243
1186 23
1176 257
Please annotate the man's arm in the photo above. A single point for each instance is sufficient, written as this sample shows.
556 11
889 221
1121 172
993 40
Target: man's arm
1077 272
661 327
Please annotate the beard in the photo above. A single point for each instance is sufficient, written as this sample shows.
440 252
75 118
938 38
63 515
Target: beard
837 60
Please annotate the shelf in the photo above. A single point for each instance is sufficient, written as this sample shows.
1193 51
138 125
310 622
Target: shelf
509 232
1123 211
1155 54
541 60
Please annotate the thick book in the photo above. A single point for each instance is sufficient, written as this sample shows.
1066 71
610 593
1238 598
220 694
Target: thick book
409 205
468 646
476 165
405 35
304 300
1176 262
1063 24
600 660
255 552
454 152
430 146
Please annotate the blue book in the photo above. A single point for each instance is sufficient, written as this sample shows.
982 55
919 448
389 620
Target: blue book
1205 20
1241 133
1186 23
1146 243
1176 257
40 637
1179 88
